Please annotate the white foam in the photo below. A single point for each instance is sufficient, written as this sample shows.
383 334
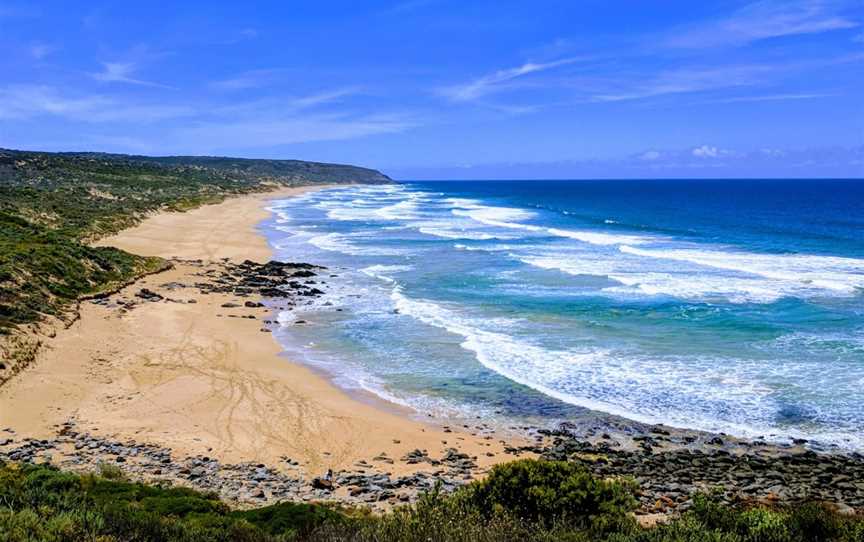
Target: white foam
337 242
637 279
686 285
486 248
403 210
383 272
506 217
345 213
572 265
601 238
723 395
454 234
371 204
848 345
792 273
498 216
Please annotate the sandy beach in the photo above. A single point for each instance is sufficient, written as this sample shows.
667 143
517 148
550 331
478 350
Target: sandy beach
186 375
176 379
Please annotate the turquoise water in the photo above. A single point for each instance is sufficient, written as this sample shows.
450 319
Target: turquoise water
733 306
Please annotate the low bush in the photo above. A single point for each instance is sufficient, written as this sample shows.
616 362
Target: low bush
552 492
298 519
530 501
42 503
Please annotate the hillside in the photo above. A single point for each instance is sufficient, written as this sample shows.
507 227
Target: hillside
53 204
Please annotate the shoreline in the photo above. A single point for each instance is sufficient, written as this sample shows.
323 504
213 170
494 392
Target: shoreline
190 374
173 378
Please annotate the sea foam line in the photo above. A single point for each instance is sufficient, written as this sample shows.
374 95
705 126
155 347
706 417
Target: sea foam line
599 369
505 217
843 275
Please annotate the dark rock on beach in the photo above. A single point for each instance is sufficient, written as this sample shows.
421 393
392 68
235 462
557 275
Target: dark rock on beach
671 471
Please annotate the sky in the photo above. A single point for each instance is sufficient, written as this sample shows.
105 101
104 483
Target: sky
448 89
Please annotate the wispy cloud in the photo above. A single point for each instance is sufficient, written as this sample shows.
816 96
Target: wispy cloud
253 79
771 98
283 105
328 96
122 72
26 101
32 101
763 20
246 80
709 151
289 120
686 80
499 80
264 123
262 132
41 50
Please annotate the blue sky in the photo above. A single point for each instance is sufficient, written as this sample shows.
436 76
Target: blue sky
448 88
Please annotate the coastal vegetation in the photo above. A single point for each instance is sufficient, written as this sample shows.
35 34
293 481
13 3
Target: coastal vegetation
530 500
53 204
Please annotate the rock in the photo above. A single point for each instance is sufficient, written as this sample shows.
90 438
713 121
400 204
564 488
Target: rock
253 304
148 295
229 305
322 483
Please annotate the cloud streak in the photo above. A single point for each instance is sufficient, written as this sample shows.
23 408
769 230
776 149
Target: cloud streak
772 98
246 80
762 20
267 123
687 80
32 101
260 132
121 72
497 81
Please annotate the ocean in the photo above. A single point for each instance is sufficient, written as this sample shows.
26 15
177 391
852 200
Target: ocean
731 306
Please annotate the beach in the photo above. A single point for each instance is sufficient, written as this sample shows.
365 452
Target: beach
178 378
194 378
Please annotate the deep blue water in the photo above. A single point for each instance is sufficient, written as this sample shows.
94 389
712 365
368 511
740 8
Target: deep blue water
732 306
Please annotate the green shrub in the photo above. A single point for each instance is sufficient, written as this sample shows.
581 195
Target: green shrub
286 517
550 491
813 522
111 471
